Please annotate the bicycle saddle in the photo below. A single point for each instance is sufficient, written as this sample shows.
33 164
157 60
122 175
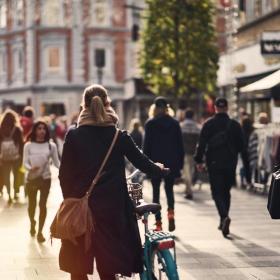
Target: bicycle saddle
144 207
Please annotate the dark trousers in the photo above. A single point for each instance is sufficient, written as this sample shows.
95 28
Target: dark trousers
7 168
221 182
168 186
43 186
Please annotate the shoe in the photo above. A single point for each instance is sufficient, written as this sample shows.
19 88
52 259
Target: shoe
171 220
158 225
220 225
225 226
32 229
188 196
10 201
40 237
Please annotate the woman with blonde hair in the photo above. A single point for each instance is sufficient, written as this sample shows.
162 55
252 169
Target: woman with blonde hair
169 150
116 244
11 149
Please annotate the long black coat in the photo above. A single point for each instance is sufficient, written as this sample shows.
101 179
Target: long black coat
116 241
163 143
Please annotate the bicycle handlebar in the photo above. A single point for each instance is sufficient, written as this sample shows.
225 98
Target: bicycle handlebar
165 172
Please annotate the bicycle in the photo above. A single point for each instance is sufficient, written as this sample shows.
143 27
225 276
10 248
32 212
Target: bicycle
159 250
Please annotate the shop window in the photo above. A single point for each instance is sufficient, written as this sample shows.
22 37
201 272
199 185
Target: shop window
52 13
53 108
53 62
3 15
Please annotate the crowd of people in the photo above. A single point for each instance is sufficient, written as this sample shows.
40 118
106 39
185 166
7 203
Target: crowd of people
27 146
183 146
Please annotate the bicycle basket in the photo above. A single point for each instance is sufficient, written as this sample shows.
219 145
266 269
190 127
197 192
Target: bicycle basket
135 192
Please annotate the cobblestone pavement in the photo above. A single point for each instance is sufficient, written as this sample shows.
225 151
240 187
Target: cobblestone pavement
253 252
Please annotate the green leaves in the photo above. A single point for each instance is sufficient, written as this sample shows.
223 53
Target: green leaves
179 54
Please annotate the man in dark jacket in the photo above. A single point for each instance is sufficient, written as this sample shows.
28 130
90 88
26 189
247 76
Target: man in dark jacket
221 140
163 142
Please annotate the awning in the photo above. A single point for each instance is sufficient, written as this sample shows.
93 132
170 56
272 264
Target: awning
265 83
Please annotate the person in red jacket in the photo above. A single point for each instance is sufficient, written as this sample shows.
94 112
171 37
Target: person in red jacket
26 121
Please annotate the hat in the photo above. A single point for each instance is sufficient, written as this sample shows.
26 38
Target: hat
221 102
161 102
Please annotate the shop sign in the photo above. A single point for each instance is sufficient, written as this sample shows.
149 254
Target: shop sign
270 43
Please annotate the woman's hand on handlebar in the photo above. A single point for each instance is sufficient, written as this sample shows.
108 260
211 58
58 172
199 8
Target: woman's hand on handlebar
164 170
160 165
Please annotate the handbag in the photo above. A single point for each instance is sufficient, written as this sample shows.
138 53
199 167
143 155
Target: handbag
273 202
74 218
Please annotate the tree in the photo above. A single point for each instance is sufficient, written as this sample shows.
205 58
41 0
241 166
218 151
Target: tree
179 55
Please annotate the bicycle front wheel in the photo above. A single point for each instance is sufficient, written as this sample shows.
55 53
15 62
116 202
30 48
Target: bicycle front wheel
163 265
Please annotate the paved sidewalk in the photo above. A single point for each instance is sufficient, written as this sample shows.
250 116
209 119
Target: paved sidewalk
253 252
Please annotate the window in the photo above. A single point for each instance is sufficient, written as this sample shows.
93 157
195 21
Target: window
3 67
3 15
52 14
53 59
20 59
18 12
100 13
258 8
100 58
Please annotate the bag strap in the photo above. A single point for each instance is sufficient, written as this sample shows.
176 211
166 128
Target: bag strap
96 178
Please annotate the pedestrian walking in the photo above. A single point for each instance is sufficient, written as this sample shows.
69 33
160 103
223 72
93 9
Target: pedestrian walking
26 120
38 152
11 145
190 131
116 244
251 146
136 132
163 143
221 139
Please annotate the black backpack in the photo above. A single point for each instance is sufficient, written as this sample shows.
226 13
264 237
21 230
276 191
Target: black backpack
220 139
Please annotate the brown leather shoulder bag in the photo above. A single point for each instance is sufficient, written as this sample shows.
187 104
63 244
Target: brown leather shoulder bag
74 218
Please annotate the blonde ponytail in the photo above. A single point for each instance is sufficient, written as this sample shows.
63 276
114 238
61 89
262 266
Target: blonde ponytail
97 109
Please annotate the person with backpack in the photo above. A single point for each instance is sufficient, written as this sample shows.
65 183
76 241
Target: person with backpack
37 153
11 147
221 140
116 244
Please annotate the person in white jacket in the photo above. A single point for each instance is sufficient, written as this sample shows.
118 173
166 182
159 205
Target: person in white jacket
37 153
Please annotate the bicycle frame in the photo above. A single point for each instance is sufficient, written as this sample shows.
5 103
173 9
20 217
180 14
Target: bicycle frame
155 240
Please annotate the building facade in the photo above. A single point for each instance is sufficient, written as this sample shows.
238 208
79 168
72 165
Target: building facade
241 58
51 49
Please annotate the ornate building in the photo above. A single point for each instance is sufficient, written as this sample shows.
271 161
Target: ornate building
50 50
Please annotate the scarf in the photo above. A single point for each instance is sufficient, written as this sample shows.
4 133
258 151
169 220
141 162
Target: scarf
86 118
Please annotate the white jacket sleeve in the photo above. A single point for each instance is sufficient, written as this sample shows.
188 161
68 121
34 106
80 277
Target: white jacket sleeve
54 155
26 159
